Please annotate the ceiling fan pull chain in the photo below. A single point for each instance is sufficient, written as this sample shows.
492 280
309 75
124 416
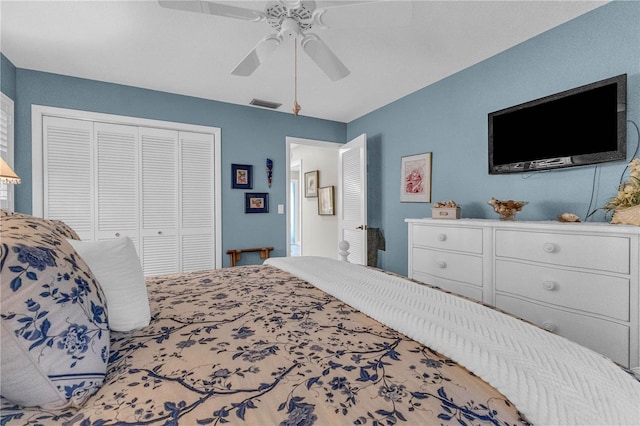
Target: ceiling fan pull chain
296 105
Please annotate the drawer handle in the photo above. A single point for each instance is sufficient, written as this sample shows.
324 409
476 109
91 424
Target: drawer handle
441 264
159 232
117 234
549 326
549 285
550 247
442 237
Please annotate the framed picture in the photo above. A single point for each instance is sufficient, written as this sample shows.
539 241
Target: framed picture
326 201
241 176
415 178
256 202
311 184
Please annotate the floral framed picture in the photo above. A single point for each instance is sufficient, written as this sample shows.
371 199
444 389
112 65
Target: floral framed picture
326 201
311 184
241 176
256 202
415 178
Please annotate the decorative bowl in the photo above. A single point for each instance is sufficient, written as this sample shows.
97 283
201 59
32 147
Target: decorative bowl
507 209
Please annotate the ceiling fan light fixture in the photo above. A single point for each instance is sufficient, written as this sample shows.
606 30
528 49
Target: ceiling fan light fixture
289 28
290 19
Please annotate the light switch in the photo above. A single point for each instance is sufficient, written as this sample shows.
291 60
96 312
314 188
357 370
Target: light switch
280 208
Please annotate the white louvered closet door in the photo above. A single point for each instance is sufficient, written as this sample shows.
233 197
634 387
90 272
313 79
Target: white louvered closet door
159 201
197 207
68 177
109 179
116 181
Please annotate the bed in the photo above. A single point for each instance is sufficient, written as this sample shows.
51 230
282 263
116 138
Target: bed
316 341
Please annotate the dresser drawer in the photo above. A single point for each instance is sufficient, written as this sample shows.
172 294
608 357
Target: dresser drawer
451 266
608 338
596 252
448 238
588 292
457 287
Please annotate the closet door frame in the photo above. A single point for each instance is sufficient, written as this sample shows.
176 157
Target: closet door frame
38 112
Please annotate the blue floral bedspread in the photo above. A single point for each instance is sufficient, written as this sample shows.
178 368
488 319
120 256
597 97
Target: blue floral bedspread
255 345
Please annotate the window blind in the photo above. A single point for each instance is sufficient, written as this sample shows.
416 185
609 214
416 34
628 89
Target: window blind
6 148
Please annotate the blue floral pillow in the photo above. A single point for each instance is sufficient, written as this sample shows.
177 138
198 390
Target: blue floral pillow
54 224
55 335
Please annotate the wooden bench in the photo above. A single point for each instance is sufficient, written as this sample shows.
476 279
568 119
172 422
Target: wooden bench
234 255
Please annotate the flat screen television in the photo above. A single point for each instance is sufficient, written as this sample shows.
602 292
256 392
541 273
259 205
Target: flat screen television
577 127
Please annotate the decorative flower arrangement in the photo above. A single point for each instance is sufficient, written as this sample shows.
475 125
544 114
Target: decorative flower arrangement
507 209
629 191
628 196
450 204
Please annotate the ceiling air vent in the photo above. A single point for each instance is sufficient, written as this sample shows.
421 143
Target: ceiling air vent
265 104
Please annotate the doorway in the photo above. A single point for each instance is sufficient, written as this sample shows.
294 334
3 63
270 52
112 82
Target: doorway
295 211
308 233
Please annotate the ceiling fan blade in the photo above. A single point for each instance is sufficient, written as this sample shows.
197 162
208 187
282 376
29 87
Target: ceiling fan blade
291 4
257 56
366 14
213 8
324 57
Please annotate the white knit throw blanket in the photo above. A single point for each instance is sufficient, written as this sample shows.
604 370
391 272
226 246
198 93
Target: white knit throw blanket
551 380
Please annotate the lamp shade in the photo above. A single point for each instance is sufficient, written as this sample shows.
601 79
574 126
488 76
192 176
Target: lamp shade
7 175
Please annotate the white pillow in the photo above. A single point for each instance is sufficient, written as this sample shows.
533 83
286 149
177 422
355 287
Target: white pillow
116 266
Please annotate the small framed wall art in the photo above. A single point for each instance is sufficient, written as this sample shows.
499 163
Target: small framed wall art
241 176
415 178
326 201
311 184
256 202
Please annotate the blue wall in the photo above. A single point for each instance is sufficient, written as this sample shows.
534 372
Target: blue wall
7 78
449 118
249 136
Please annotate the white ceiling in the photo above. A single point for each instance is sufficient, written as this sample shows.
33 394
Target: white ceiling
141 44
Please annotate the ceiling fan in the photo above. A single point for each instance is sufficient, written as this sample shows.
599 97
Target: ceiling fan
293 19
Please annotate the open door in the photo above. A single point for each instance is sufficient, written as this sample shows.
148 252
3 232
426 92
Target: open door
318 234
352 198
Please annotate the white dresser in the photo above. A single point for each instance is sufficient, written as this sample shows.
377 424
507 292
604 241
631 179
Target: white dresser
579 280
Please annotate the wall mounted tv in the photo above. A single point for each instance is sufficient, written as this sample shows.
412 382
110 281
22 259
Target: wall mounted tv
580 126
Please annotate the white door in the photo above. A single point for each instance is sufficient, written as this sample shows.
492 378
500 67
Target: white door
67 156
159 201
197 233
352 198
116 181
